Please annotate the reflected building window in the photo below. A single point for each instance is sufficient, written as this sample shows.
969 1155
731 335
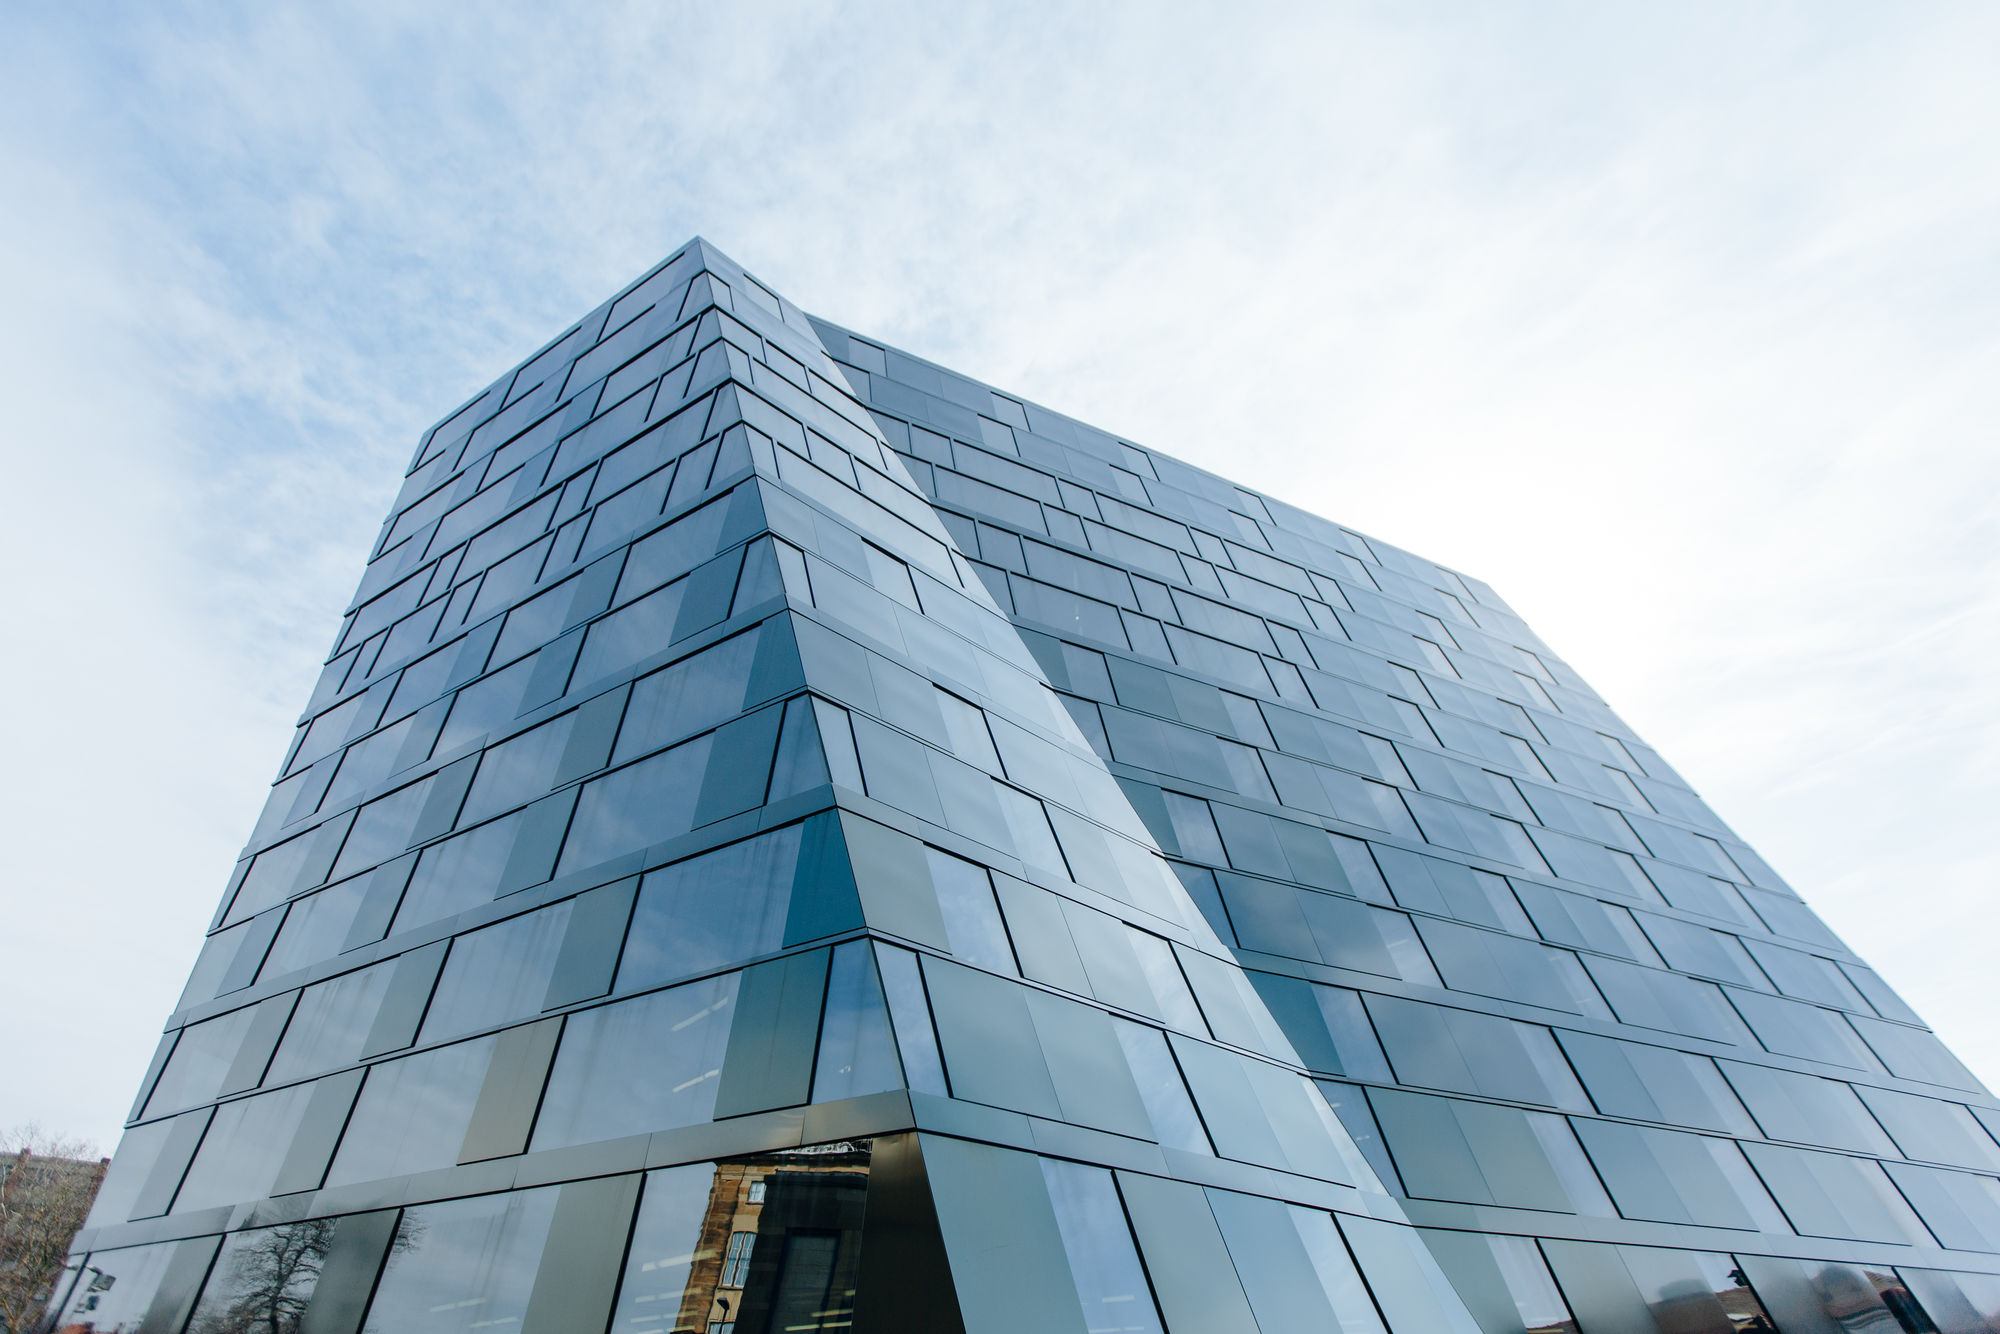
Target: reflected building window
736 1261
263 1280
1824 1295
758 1245
1864 1301
1907 1310
1696 1291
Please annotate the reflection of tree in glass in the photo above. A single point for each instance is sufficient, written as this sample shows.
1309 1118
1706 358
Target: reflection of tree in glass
270 1279
265 1279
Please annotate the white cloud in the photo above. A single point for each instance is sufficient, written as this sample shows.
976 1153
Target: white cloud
1672 323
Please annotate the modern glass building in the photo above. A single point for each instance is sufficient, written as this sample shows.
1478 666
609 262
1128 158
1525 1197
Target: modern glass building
790 838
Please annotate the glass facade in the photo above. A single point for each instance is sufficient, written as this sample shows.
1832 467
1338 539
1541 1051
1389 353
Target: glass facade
788 837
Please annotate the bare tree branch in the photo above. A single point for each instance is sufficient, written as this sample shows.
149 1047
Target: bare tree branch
47 1183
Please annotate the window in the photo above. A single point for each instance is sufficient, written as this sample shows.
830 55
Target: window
497 974
647 1064
756 1195
265 1279
412 1114
736 1261
464 1265
1110 1284
719 908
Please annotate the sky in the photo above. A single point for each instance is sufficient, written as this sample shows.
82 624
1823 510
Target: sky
1676 323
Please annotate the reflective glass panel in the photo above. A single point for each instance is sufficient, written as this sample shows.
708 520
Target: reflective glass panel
112 1293
315 927
641 1065
412 1114
263 1280
857 1053
1103 1263
245 1146
201 1061
330 1024
640 804
497 974
720 908
463 1265
771 1242
971 917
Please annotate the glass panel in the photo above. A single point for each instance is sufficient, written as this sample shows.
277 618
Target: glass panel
1958 1303
760 580
836 732
857 1053
274 874
263 1280
245 1146
916 1038
497 974
218 952
971 917
630 634
201 1061
720 908
483 706
412 1114
674 550
1851 1297
460 873
966 725
138 1150
1408 1285
771 1242
1337 1274
1691 1292
668 1242
366 764
114 1290
517 771
1174 1003
316 927
693 694
1731 1287
463 1265
330 1024
639 805
800 764
1168 1106
638 1066
1103 1262
381 830
1909 1314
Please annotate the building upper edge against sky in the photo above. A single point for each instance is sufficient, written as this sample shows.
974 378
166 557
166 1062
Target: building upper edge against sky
809 323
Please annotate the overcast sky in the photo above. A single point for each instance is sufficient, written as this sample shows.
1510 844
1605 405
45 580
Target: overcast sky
1674 322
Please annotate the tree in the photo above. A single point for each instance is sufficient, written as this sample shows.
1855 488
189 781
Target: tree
46 1186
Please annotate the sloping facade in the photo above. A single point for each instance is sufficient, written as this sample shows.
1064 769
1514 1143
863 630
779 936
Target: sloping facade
791 838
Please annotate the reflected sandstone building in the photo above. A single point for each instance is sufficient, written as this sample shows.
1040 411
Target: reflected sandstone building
789 838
